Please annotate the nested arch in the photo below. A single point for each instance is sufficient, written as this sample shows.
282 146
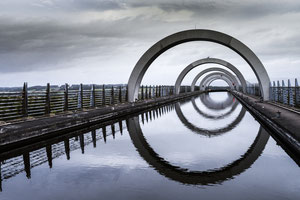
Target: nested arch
170 41
225 64
209 81
215 69
215 76
208 61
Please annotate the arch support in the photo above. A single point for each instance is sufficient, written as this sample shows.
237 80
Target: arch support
215 76
208 61
214 69
170 41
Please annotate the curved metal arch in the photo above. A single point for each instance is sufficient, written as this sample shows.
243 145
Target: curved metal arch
225 64
208 61
207 132
185 176
208 82
222 116
214 76
213 69
170 41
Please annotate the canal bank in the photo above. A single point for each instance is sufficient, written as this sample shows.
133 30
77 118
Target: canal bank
157 158
283 123
28 130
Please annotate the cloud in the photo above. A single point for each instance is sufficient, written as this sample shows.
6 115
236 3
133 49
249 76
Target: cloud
49 35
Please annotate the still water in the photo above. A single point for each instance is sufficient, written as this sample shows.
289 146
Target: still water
206 147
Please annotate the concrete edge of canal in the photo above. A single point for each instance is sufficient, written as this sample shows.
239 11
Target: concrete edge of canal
16 134
283 124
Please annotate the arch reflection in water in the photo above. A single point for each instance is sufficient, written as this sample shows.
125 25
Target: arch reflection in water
207 132
212 104
222 116
185 176
190 162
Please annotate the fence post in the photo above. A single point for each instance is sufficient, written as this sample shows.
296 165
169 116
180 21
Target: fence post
285 93
159 91
290 94
112 96
275 92
66 97
80 97
156 91
92 97
150 88
297 95
120 94
146 92
103 95
47 105
25 100
142 92
126 94
278 91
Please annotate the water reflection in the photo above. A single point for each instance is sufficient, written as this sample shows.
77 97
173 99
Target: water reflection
214 105
36 154
195 177
158 172
207 177
209 116
207 132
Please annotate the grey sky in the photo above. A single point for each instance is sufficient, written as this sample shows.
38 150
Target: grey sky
99 41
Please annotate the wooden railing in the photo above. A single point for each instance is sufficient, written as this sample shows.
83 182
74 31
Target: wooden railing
31 103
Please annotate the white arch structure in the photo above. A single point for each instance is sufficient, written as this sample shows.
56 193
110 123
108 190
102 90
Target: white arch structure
170 41
208 61
213 69
207 80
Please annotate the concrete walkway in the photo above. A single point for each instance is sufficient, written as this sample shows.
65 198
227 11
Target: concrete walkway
281 121
17 133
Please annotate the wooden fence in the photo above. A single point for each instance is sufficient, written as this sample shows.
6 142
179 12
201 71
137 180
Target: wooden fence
33 103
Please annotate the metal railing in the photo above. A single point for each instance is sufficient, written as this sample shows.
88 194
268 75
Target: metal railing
289 95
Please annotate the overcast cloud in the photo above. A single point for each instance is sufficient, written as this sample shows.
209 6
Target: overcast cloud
99 41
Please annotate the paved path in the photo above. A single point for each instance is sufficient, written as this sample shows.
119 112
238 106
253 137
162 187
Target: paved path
284 122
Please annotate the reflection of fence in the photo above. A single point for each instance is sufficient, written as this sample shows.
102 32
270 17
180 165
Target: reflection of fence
29 102
28 160
47 151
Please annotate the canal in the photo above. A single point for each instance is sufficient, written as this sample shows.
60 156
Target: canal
206 147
